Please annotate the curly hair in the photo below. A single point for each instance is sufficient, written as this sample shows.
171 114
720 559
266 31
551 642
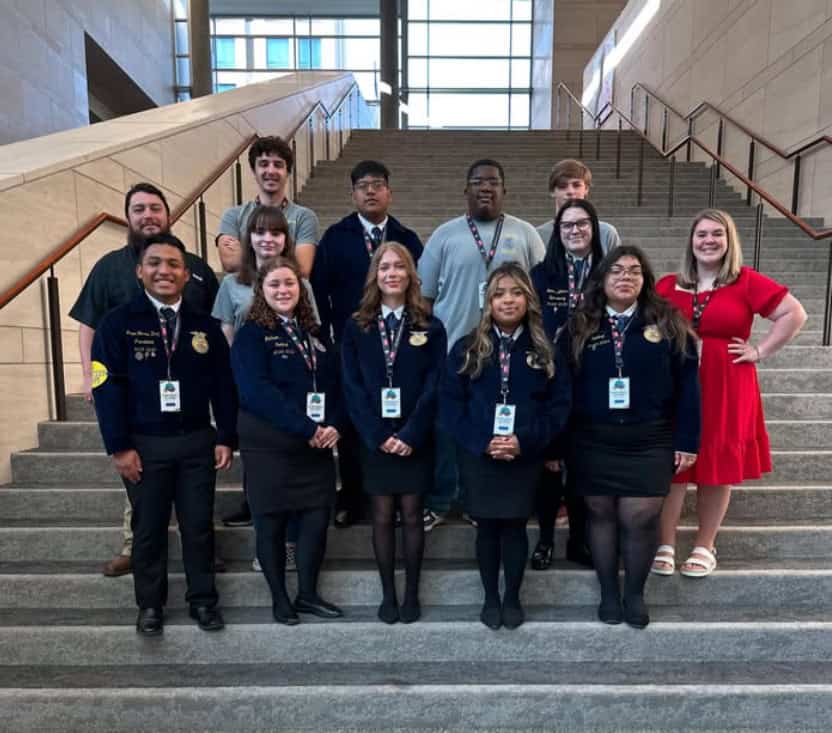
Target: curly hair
267 218
271 145
414 303
480 347
653 309
262 313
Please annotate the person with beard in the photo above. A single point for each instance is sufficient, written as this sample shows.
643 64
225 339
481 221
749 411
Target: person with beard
454 268
113 282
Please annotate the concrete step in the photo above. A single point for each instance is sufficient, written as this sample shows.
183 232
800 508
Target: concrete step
779 540
797 406
790 381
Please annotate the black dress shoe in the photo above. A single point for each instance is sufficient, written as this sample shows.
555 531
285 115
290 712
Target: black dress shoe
388 612
609 611
209 618
542 556
635 613
285 616
410 612
318 607
343 518
240 518
150 621
578 552
491 617
513 616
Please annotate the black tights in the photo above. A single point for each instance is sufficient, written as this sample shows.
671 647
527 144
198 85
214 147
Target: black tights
506 540
625 526
384 544
551 491
271 551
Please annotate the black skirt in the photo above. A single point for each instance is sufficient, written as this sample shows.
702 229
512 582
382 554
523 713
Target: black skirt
283 473
621 460
498 489
385 474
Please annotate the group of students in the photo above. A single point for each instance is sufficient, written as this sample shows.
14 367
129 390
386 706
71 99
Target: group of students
570 374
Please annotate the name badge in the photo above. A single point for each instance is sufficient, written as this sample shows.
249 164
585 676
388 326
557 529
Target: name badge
169 396
391 402
620 393
504 419
316 406
482 288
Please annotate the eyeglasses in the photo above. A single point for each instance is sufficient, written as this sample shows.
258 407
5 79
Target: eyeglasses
365 186
583 224
480 182
619 272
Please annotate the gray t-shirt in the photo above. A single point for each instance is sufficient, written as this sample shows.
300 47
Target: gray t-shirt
303 222
234 300
609 234
451 267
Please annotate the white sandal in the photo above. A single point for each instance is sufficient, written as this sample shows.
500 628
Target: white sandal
665 554
703 559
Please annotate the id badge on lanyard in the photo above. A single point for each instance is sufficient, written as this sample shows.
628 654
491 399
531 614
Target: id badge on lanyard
504 413
170 395
504 419
316 406
487 254
619 393
619 387
391 397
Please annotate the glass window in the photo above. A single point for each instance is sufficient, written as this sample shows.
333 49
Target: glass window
183 71
468 110
469 39
181 40
302 26
417 39
271 27
360 53
229 26
368 83
326 27
418 106
309 53
417 9
520 110
520 70
417 73
180 9
277 53
224 53
225 87
361 27
522 10
461 74
521 39
471 10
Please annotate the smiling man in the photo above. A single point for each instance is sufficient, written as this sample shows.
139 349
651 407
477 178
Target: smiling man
271 161
454 269
160 370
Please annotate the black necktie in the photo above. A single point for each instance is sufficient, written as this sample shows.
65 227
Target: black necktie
391 322
169 314
375 235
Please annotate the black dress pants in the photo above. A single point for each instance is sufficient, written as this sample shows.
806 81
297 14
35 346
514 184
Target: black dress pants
177 470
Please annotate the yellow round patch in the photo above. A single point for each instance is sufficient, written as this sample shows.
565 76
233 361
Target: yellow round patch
418 338
99 374
652 334
199 341
532 361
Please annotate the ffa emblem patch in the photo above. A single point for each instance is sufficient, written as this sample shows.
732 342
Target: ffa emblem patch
652 334
418 338
99 374
199 341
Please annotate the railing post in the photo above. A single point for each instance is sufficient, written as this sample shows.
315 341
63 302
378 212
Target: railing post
56 344
827 310
712 188
796 185
311 145
295 167
568 115
758 235
751 148
720 134
203 233
327 132
618 151
632 101
640 172
646 113
238 183
340 130
690 144
557 110
581 139
598 143
664 130
671 187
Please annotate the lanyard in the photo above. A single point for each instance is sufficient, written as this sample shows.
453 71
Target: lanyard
170 349
370 243
505 364
575 286
699 307
618 341
390 345
495 240
307 351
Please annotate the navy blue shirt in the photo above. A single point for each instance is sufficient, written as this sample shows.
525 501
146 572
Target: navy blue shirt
553 292
664 382
341 265
466 406
273 379
416 371
128 343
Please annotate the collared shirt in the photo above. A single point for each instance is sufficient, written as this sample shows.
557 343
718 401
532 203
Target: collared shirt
514 335
158 304
629 312
369 226
385 311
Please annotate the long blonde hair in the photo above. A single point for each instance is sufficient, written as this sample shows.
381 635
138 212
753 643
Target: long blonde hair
731 262
481 348
414 303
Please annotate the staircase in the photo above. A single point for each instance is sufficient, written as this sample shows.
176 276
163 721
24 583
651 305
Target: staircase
749 648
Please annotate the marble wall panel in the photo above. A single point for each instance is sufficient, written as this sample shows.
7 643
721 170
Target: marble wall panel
25 403
11 345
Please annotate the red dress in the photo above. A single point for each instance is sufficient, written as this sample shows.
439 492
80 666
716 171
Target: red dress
734 444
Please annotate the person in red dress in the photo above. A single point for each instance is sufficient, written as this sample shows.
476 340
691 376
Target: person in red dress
721 297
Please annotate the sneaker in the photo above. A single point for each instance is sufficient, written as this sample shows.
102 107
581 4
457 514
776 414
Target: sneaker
431 519
237 519
291 556
255 566
468 518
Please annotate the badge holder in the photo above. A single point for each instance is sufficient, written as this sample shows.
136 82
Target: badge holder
169 395
316 406
619 398
504 419
391 402
481 294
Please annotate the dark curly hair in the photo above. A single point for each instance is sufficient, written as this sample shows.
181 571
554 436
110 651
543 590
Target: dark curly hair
271 145
263 315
